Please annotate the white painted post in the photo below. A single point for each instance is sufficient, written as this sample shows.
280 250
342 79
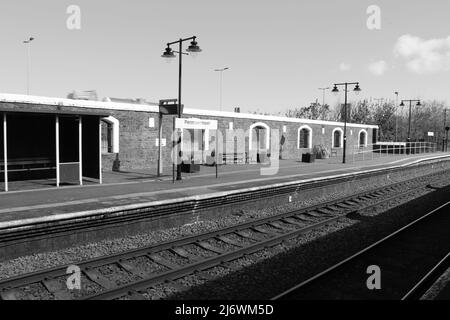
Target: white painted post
160 134
80 148
57 150
5 152
100 173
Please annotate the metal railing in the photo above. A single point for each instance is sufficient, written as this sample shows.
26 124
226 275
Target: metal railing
386 149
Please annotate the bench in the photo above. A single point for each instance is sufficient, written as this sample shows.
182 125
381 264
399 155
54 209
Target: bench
28 164
235 158
227 158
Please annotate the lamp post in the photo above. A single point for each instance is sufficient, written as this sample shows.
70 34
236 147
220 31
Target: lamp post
28 43
221 82
396 116
446 128
402 104
335 90
169 54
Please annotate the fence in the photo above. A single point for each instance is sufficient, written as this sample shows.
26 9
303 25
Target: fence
386 149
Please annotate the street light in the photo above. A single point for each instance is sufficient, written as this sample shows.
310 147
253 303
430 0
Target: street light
169 54
221 83
28 43
396 116
335 90
446 129
402 104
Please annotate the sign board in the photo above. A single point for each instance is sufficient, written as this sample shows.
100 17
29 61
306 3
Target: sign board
169 109
431 134
199 124
163 142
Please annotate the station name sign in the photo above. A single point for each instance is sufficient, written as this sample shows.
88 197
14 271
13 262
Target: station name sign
196 124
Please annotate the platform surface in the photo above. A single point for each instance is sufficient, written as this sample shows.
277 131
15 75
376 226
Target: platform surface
136 188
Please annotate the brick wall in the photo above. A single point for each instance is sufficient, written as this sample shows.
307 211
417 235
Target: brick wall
138 148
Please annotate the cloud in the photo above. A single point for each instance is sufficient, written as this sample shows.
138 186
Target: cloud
344 66
424 56
378 68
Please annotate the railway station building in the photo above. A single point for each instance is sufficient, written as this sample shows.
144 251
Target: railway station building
73 140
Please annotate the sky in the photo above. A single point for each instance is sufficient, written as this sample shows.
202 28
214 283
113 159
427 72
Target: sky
279 52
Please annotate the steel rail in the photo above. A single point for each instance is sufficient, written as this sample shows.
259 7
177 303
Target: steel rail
427 281
358 254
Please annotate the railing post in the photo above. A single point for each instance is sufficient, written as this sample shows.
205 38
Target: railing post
5 151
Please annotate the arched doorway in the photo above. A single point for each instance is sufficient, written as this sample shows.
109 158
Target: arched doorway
259 142
110 135
362 138
304 139
337 138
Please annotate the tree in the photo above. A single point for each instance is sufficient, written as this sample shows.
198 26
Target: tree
315 111
361 113
383 117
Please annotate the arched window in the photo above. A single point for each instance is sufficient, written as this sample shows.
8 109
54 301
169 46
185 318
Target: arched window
338 137
304 137
363 138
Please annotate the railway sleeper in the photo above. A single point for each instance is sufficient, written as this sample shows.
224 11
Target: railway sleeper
98 278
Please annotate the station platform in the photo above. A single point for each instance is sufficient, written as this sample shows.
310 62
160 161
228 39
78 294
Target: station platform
141 188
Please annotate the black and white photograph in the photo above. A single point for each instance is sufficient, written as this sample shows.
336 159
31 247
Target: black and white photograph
224 159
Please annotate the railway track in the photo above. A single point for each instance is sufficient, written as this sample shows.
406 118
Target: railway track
409 259
138 270
425 283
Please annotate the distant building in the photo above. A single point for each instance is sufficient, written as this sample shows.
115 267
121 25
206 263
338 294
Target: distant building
89 95
130 101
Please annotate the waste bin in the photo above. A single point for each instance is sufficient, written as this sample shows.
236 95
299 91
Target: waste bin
308 157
